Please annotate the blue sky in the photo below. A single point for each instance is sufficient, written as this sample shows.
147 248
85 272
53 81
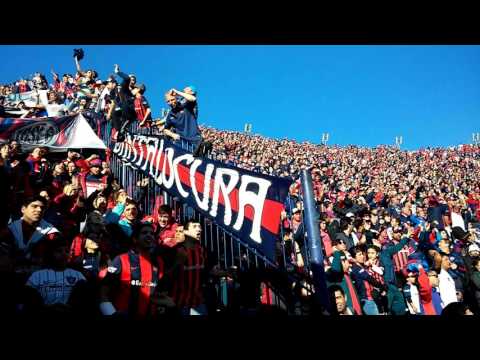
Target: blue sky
363 95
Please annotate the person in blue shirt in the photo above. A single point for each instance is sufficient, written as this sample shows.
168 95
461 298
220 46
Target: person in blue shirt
127 207
436 299
182 117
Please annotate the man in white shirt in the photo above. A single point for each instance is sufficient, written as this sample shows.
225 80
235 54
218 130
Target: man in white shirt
457 219
446 284
105 94
55 106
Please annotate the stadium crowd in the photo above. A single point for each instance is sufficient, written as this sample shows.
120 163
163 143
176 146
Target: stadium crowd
399 229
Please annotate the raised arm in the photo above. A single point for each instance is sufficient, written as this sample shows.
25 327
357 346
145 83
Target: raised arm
77 65
425 289
121 74
188 97
114 216
396 248
55 77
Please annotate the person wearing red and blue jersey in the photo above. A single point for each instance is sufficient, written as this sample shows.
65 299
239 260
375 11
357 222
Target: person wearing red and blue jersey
365 283
188 272
141 106
131 281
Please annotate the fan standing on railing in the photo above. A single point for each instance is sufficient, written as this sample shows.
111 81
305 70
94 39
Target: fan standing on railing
141 106
134 105
181 121
182 117
121 107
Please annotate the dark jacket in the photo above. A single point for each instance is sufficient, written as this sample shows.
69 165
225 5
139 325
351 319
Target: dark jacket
337 276
360 275
386 260
435 213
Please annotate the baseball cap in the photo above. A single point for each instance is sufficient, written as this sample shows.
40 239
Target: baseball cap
349 215
412 267
295 210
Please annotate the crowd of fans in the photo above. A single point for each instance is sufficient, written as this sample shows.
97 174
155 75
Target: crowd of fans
120 98
71 239
399 229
